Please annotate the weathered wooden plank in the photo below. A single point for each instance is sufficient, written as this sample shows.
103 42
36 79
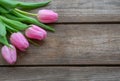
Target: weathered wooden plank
76 44
60 74
85 10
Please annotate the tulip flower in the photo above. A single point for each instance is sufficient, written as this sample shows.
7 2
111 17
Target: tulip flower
26 19
47 16
18 40
9 54
35 32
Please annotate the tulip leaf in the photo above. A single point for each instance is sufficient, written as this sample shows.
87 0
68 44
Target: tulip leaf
27 5
32 5
3 10
3 38
2 28
10 29
9 3
13 23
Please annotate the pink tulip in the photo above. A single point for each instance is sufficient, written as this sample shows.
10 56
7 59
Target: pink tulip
47 16
18 40
9 54
35 32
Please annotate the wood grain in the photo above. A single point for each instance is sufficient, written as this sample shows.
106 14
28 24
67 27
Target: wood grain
60 74
75 44
78 11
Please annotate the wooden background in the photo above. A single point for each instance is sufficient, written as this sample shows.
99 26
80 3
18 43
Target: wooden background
85 46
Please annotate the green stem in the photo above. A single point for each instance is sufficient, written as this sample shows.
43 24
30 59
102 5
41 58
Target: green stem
24 12
34 43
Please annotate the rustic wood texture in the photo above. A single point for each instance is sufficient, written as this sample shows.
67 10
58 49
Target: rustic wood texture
60 74
76 44
73 44
85 10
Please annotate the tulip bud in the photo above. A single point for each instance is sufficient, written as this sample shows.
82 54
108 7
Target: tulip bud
18 40
9 54
35 32
47 16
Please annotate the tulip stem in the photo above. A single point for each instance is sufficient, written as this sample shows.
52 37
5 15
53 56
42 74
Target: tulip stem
24 12
34 43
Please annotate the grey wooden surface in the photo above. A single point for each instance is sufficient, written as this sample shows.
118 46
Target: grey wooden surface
85 46
60 74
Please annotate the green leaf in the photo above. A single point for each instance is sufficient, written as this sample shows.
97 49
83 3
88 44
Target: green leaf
11 29
9 3
13 23
13 17
3 10
32 5
2 28
27 5
3 38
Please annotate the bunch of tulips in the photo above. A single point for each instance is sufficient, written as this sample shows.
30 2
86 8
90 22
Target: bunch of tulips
14 19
